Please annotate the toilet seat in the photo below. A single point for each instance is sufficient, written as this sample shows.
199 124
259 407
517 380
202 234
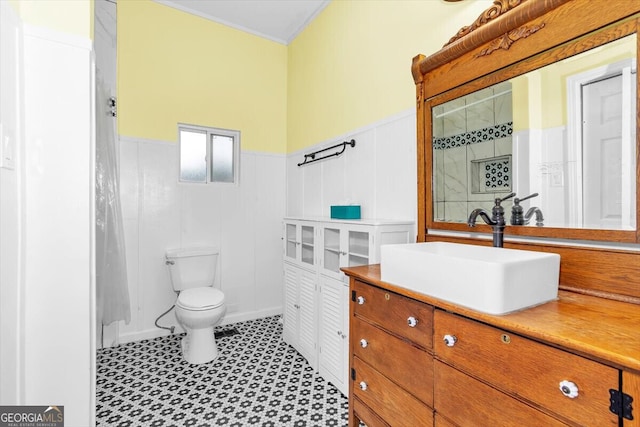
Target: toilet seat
198 299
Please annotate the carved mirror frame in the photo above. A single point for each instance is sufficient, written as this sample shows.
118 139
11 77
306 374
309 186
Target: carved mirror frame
511 38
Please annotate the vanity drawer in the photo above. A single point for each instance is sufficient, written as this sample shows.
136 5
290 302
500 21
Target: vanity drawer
409 366
394 313
365 415
392 403
526 368
440 421
471 403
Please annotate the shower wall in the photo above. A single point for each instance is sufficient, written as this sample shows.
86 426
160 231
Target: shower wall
472 139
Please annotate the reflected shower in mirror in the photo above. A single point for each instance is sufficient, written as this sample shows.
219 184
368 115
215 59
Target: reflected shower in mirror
566 131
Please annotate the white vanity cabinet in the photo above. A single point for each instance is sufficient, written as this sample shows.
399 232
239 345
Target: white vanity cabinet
316 291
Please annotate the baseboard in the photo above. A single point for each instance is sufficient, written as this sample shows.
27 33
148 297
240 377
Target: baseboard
228 319
251 315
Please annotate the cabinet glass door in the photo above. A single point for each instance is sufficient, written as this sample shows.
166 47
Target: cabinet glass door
358 248
307 244
331 260
290 241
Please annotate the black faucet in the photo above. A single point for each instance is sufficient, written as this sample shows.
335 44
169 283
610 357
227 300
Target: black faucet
539 217
496 221
518 217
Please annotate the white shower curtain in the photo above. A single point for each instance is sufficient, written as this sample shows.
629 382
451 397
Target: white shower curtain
112 291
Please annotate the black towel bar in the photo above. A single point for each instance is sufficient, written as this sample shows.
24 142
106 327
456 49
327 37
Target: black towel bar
313 158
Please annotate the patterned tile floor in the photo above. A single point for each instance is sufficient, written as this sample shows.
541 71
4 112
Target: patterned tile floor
257 380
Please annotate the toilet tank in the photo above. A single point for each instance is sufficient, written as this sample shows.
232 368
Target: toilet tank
192 267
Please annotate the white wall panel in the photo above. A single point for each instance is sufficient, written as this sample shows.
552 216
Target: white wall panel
267 239
360 173
295 185
334 180
396 168
129 201
202 214
312 179
159 227
237 243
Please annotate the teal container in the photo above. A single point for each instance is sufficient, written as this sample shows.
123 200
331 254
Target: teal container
345 212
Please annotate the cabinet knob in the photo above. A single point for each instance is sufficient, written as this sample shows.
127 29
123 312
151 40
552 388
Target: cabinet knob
342 253
412 322
569 389
360 300
364 343
450 340
363 385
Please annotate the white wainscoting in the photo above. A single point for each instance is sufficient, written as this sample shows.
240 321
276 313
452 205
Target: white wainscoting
243 221
379 173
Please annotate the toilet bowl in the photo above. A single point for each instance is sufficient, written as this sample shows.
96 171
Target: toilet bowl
198 310
199 306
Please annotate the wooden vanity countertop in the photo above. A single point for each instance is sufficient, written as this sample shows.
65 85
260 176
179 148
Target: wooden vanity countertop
601 329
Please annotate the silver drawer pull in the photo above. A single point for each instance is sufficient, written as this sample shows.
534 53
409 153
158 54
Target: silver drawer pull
364 343
360 300
363 385
412 322
569 389
450 340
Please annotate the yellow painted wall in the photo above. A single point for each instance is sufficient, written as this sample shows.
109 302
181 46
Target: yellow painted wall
540 97
67 16
174 67
352 65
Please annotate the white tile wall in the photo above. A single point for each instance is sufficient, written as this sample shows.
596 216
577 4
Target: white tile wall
243 221
379 173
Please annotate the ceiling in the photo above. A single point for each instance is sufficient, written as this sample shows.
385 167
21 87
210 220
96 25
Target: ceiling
277 20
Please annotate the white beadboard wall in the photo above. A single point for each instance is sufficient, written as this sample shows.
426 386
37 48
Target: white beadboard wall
379 173
243 221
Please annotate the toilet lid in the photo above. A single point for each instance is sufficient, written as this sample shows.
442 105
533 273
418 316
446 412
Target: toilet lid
200 298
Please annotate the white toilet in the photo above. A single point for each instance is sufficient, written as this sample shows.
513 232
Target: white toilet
199 306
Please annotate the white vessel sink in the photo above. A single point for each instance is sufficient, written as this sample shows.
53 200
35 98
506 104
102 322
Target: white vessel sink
487 279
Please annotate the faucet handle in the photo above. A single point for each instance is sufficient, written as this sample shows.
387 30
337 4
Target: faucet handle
508 196
530 196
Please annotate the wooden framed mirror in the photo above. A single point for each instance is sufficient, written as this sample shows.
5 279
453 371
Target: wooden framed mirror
514 87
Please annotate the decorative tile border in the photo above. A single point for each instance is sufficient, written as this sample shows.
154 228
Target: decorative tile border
473 137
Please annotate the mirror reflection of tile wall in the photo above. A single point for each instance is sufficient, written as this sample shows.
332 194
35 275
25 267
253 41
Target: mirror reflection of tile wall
472 139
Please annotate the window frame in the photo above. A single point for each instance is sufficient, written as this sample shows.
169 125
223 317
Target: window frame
210 132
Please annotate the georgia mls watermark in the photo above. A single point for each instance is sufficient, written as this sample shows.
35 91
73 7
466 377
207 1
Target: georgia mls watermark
31 416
